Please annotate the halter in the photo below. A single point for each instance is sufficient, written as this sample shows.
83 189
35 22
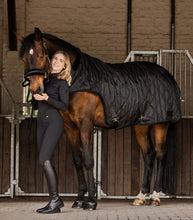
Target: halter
33 72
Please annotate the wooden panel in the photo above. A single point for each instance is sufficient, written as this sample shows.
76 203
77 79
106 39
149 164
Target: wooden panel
119 163
104 159
185 158
179 159
169 178
5 153
30 172
111 162
178 178
1 152
122 164
31 177
135 165
191 155
127 161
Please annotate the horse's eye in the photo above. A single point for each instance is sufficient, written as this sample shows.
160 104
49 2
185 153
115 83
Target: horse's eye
41 56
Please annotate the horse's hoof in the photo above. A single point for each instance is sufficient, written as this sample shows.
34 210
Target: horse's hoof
78 204
156 202
90 205
139 202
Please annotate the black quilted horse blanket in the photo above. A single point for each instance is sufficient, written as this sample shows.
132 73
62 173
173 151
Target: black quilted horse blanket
134 93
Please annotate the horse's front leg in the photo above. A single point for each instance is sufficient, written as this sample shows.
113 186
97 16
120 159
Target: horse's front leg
148 151
160 132
82 186
73 135
86 133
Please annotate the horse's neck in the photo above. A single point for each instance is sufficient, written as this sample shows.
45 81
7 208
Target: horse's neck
50 46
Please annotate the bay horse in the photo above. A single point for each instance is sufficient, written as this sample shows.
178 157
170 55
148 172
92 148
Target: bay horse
87 109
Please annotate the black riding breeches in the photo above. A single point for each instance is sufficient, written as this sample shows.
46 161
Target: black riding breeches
50 127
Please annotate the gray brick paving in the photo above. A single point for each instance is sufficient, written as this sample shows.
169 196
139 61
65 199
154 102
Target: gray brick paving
106 210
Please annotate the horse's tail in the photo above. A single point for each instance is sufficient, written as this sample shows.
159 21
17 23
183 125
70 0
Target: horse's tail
169 174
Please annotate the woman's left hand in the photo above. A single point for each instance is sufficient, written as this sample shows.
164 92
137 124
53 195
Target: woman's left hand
42 97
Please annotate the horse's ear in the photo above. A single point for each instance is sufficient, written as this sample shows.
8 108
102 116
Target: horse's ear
38 34
19 37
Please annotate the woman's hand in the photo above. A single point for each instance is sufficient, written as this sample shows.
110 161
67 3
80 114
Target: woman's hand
42 97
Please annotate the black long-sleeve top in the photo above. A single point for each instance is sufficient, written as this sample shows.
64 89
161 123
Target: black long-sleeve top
58 94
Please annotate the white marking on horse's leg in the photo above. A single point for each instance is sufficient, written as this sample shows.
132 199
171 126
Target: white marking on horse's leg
140 199
141 196
155 197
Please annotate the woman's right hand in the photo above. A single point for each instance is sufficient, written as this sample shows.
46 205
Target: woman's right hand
42 97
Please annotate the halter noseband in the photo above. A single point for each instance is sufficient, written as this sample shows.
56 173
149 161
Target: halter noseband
32 72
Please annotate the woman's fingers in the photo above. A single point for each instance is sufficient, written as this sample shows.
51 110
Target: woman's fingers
44 96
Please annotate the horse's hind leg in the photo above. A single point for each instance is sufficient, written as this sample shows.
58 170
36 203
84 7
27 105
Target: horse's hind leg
148 151
160 133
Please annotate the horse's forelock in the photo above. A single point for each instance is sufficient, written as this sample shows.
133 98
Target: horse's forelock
26 45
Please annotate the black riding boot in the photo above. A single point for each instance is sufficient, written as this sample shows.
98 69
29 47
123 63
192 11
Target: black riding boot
55 201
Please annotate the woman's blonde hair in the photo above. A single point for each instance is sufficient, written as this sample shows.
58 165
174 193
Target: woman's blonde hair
66 73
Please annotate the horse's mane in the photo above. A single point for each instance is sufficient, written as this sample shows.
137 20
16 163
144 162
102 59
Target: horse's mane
59 42
28 42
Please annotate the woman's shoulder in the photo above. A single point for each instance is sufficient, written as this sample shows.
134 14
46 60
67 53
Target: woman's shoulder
63 82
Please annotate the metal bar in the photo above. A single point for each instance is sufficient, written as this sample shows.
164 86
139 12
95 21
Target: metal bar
17 154
134 197
46 194
99 163
174 51
129 57
190 87
12 163
165 60
185 84
189 56
95 153
175 68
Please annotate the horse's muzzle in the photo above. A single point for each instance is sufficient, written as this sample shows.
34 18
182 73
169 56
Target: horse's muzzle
39 91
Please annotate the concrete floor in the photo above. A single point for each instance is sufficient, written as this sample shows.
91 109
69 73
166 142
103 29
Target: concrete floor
25 209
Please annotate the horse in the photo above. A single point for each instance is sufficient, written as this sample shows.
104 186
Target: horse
87 108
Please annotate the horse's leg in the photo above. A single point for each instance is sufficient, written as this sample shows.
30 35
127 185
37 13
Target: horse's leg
86 133
73 135
148 151
160 133
82 186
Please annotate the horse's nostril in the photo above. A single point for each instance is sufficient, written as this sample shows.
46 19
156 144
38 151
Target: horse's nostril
38 91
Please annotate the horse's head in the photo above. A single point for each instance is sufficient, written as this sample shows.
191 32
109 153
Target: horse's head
34 55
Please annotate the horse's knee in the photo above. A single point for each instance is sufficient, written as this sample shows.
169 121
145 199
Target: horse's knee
149 156
89 162
160 155
88 159
78 163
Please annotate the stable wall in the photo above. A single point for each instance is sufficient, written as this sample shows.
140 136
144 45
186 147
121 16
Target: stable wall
98 28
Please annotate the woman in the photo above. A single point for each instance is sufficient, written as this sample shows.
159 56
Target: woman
50 124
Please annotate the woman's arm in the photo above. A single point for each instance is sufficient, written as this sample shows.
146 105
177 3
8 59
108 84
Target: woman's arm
62 104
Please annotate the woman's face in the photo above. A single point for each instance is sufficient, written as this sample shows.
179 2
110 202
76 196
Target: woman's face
58 62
